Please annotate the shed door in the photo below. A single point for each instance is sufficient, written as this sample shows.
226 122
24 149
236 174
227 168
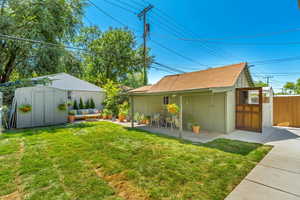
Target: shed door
38 108
249 109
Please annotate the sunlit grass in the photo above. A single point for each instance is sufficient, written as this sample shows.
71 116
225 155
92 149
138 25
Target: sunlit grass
102 160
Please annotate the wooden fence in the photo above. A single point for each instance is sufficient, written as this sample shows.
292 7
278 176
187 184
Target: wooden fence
286 111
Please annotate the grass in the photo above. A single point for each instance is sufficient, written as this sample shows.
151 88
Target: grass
101 160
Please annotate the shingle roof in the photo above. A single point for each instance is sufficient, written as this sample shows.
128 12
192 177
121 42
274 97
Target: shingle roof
225 76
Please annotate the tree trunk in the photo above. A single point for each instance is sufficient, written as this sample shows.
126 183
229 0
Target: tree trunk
8 68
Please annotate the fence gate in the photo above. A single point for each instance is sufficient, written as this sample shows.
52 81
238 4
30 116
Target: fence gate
286 111
249 109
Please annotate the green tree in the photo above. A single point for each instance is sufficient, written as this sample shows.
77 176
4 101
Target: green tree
290 87
52 21
112 96
113 55
260 84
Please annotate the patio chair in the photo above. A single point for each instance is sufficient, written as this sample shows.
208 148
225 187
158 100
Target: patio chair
170 123
155 120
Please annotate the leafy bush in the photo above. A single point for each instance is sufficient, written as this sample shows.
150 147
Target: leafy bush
112 94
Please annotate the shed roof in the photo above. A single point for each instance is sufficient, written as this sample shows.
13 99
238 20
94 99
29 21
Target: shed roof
225 76
66 81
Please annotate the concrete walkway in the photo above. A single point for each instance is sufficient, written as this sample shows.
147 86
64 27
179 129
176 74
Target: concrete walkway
277 176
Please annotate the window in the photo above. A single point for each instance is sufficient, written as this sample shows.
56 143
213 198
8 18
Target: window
248 97
69 95
166 100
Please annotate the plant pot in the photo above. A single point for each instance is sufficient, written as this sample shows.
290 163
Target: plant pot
196 129
122 118
71 118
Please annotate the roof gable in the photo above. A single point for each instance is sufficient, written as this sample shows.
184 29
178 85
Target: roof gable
211 78
66 81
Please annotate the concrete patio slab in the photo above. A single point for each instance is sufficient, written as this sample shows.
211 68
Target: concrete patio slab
248 190
289 163
276 178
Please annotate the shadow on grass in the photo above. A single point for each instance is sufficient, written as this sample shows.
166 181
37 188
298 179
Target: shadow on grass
42 130
225 145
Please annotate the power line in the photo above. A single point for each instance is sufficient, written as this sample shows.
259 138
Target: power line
178 54
170 68
117 5
244 36
9 37
107 14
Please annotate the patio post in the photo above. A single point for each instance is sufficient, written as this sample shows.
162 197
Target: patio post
132 111
180 115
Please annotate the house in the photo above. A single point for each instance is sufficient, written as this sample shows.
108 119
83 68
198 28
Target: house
45 100
219 99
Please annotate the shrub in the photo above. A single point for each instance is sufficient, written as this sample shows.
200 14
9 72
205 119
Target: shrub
87 104
75 105
92 103
81 105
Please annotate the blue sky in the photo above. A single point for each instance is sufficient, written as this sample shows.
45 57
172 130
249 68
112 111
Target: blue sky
235 20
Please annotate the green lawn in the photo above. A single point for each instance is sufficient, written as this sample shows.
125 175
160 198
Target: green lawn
101 160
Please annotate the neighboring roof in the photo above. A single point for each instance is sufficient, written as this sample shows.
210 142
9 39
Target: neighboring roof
142 89
65 81
211 78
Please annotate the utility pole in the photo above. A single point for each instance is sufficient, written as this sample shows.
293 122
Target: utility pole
143 16
268 79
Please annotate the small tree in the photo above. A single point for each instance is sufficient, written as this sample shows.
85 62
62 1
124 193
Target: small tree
75 105
87 104
92 103
81 105
112 94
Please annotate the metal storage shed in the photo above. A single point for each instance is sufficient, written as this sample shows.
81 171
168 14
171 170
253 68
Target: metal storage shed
44 101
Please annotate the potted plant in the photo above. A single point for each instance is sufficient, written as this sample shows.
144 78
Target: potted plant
122 115
71 116
173 109
62 107
196 128
123 111
107 114
148 118
142 119
25 108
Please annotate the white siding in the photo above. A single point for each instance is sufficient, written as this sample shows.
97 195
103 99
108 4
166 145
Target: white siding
242 81
98 97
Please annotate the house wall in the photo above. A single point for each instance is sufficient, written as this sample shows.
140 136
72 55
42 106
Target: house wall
207 108
242 82
44 102
98 97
